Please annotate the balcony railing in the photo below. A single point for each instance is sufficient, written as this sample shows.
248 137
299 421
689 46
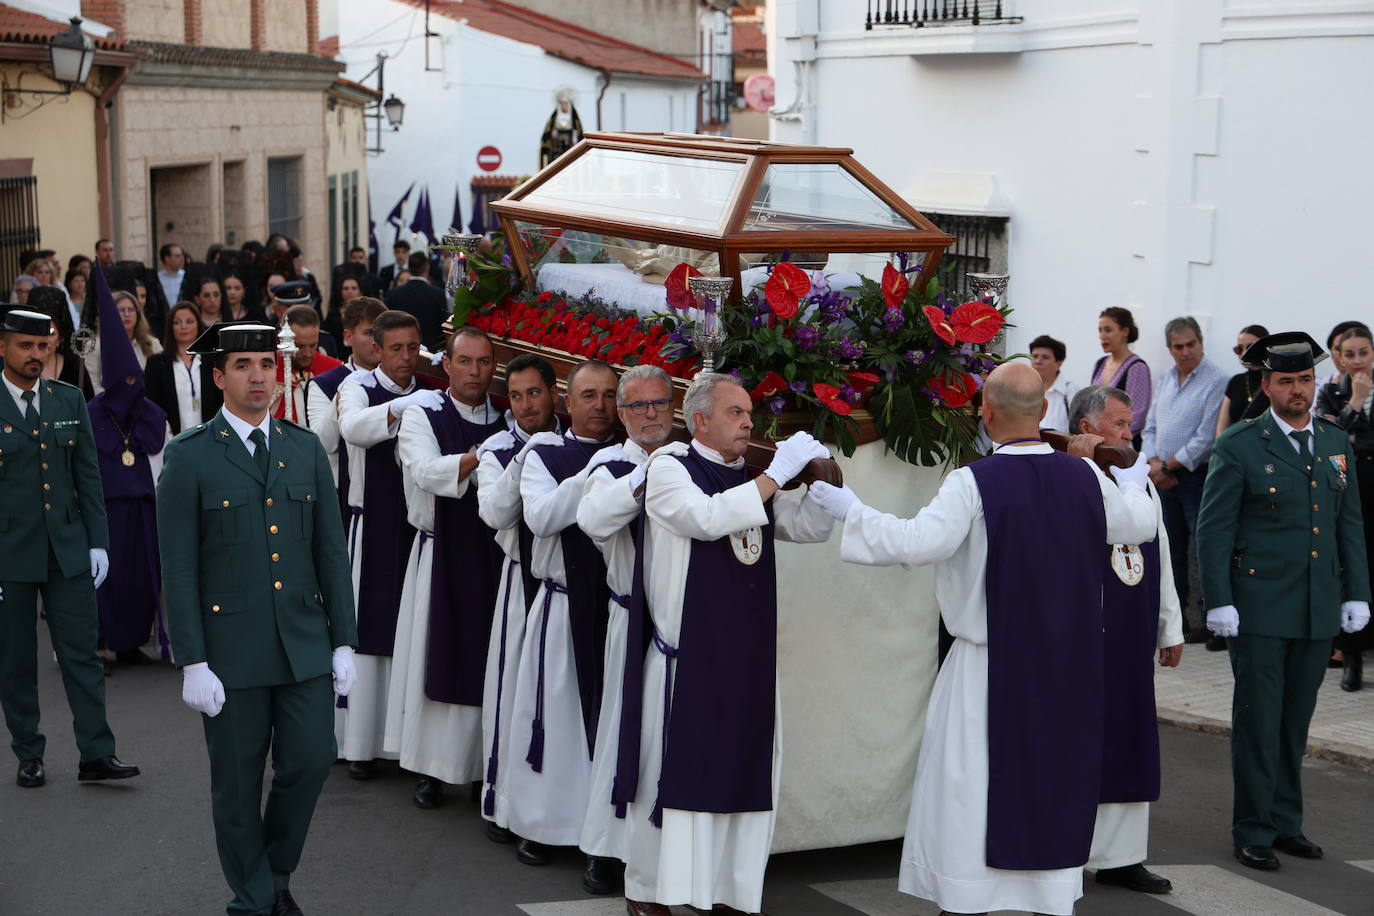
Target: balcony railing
918 14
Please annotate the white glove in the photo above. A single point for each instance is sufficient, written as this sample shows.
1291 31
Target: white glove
538 439
345 674
363 377
425 397
636 477
1137 473
606 455
1225 621
496 442
201 690
1354 615
100 565
792 455
836 501
676 449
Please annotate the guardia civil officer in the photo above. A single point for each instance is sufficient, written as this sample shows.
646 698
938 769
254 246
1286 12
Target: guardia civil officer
53 542
1282 557
260 608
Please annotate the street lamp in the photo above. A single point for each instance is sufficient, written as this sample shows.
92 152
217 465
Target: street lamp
395 111
72 54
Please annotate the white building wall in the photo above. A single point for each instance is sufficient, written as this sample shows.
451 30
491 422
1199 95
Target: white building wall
1176 156
488 90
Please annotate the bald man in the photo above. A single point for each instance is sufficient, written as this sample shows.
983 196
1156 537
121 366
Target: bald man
1007 781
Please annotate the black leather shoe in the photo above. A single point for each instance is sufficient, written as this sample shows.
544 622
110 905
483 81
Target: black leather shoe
1353 678
1334 662
1299 846
285 905
429 792
601 875
105 768
1136 878
132 657
1215 644
31 774
1197 635
499 834
638 908
362 769
1261 857
531 853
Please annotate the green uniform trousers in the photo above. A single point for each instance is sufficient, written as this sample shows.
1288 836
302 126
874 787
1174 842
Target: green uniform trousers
1276 690
258 849
73 624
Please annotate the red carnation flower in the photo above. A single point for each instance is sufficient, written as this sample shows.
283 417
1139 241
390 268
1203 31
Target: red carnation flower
785 289
940 324
976 322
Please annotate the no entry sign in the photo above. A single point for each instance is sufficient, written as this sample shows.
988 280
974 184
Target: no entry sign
488 158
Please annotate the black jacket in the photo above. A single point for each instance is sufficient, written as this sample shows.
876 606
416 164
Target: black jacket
1334 400
427 303
160 387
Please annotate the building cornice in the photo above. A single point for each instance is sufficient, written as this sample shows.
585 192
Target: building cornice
161 64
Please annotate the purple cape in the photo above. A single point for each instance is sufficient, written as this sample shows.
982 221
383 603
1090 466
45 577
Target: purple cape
466 563
385 542
1044 658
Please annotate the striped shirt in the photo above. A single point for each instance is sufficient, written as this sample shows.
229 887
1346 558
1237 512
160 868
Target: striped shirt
1183 415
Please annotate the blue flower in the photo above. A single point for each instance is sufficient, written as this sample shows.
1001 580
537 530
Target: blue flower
798 386
806 337
775 405
893 319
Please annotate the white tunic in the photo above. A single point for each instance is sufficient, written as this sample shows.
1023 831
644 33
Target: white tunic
699 858
1121 834
943 858
498 503
360 730
548 806
605 512
323 413
442 740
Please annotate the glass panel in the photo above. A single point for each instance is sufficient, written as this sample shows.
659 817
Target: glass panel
820 196
669 191
624 272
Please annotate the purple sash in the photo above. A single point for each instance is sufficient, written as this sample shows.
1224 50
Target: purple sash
329 383
530 584
465 565
1044 658
726 661
385 542
1130 757
588 594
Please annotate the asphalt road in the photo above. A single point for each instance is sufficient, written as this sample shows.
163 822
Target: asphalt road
145 845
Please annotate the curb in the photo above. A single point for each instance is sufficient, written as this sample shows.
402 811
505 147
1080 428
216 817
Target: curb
1350 755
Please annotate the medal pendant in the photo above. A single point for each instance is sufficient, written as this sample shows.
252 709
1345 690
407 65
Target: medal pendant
195 403
1128 563
127 458
747 545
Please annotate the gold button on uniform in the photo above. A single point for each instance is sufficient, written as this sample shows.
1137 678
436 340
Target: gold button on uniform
269 500
1314 554
309 497
43 445
47 486
215 608
1316 531
1314 485
226 504
1315 507
276 557
1252 572
45 465
47 506
1273 490
272 528
277 585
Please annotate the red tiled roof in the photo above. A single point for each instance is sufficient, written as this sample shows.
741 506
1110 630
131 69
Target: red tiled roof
562 39
329 46
748 37
22 26
358 87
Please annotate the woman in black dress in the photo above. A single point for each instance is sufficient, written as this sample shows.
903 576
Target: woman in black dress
1351 402
1245 398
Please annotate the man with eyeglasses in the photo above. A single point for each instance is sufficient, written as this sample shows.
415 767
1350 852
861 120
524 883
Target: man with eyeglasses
609 513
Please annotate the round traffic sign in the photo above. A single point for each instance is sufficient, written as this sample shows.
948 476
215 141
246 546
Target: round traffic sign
488 158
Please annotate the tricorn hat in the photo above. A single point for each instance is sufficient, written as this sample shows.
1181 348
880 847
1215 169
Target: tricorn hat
1291 351
22 321
293 292
235 337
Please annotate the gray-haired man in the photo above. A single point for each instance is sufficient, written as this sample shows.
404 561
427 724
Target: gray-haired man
1177 440
1141 615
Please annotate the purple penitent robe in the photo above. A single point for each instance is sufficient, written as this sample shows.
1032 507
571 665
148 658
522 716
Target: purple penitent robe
464 576
1045 669
1130 751
329 382
385 547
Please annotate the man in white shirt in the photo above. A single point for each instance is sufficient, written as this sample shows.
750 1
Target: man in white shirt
172 272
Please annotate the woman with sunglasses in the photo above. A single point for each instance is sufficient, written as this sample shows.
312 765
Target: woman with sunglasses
1245 398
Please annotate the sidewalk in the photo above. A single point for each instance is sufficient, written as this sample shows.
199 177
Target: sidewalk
1197 695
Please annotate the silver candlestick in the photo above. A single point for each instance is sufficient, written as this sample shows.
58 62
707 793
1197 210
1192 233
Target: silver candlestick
709 295
459 271
286 346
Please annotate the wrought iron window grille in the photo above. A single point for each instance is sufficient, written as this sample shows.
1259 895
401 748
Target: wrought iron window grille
918 14
979 247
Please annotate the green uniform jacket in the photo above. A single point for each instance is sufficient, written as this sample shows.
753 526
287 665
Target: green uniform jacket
1285 545
254 573
52 486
